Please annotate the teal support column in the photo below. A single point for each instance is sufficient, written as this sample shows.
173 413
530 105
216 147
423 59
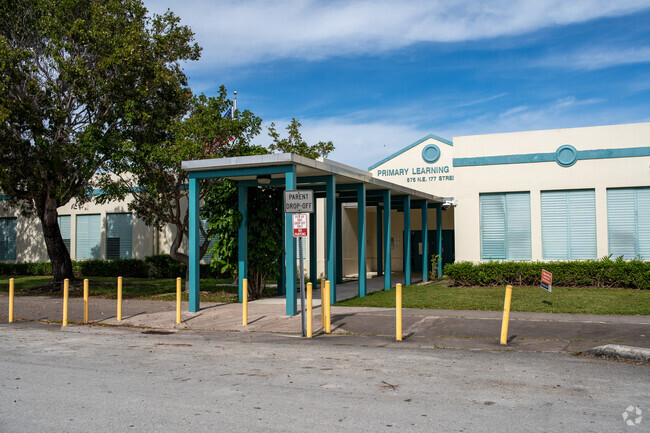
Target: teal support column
425 241
439 235
339 243
407 240
387 252
380 245
330 208
361 237
290 250
242 239
313 254
194 270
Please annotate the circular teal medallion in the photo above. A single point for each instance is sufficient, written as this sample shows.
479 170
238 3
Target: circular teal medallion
566 155
431 153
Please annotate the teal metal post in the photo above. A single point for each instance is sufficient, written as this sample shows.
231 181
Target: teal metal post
313 259
407 239
339 243
290 250
425 241
330 208
439 235
194 270
242 236
361 237
387 251
379 243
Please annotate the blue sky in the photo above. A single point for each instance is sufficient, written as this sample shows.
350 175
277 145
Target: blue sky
375 76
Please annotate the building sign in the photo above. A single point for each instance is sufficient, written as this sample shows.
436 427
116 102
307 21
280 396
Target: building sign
299 201
431 166
299 225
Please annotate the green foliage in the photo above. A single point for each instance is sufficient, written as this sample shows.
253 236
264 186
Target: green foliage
150 170
435 259
295 144
157 266
604 272
80 79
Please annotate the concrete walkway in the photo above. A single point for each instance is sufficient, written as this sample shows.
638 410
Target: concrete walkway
543 332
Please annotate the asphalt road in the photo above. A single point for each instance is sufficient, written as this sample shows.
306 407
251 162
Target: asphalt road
120 380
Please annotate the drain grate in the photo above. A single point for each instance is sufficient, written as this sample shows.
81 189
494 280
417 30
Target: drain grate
156 332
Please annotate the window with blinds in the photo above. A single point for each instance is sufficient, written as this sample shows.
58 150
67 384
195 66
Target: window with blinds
88 237
628 222
119 236
505 226
7 238
568 225
64 227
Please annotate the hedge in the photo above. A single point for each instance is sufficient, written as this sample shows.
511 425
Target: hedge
604 272
158 266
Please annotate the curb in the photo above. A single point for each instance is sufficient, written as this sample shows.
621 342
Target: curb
620 353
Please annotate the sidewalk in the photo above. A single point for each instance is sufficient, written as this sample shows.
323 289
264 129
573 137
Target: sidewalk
479 330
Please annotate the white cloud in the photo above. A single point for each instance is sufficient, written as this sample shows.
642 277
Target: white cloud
250 31
599 58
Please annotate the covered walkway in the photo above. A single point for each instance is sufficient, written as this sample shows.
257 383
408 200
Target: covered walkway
337 184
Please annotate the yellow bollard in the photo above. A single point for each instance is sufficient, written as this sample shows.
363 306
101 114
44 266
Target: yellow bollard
119 299
178 300
308 310
506 316
328 310
322 304
398 312
66 288
86 301
244 302
11 300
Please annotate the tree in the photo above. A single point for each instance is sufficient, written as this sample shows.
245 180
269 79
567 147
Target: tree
78 79
265 215
150 170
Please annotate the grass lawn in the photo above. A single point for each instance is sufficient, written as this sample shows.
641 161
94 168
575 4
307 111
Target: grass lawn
582 300
212 290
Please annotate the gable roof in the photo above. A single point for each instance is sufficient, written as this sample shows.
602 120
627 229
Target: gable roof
399 152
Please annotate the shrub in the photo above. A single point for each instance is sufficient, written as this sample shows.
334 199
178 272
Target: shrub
604 272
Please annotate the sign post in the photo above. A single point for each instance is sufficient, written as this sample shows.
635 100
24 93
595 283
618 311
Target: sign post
299 202
547 280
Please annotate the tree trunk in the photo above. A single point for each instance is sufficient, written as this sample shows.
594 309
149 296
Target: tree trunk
59 254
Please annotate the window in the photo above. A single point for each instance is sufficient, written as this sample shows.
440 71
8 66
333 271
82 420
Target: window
64 226
119 234
505 226
628 222
7 238
568 225
88 236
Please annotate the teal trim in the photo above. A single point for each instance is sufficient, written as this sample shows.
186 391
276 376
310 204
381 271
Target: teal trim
361 237
439 235
566 155
194 271
629 152
425 240
339 244
407 239
431 153
290 250
379 244
330 208
410 146
242 238
387 252
313 253
244 171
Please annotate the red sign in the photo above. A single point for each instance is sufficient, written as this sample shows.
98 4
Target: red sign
299 225
547 280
